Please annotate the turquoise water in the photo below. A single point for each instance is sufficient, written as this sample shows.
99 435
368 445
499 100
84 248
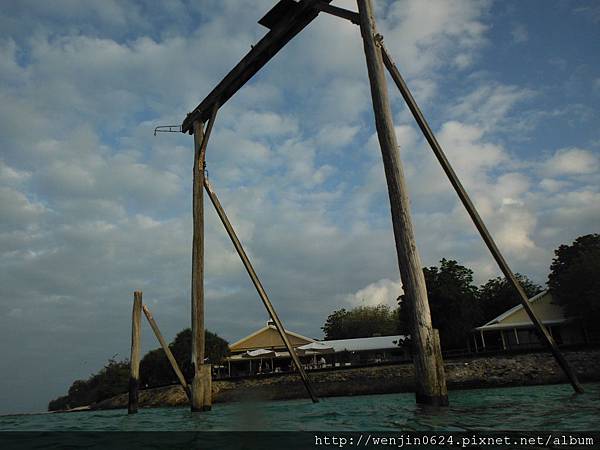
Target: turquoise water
522 408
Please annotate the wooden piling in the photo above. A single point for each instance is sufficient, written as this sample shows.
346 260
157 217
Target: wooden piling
201 383
167 350
197 267
134 360
442 399
430 377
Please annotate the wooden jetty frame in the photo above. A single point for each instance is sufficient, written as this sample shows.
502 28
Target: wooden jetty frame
285 20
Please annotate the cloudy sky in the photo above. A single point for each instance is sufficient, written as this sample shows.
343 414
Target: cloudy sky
93 206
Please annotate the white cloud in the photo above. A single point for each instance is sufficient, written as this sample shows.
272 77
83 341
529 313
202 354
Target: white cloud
489 105
12 176
418 33
381 292
17 210
571 161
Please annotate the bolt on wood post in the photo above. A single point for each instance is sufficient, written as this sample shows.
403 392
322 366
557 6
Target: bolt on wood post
167 350
429 371
134 360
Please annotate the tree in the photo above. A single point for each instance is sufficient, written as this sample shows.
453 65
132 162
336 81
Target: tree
574 279
499 295
215 349
111 380
453 303
155 369
362 321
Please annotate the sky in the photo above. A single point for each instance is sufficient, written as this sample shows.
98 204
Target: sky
93 206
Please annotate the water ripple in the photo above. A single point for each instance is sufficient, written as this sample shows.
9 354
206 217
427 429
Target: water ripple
482 409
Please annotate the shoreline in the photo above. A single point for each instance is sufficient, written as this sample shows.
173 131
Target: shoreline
464 373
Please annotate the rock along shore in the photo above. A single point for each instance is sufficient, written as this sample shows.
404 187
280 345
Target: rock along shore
493 371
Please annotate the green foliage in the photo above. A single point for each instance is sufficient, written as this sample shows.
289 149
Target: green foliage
59 404
155 370
498 295
362 321
113 379
453 303
574 279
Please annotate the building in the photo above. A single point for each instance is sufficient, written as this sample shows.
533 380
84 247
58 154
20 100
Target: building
264 352
513 329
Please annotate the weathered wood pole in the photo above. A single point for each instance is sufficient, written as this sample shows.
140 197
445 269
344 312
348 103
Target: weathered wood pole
167 350
429 371
201 383
134 360
542 331
259 288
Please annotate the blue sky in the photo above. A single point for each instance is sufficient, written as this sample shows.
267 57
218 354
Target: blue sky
93 206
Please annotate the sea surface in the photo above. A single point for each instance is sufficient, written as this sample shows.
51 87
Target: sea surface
552 407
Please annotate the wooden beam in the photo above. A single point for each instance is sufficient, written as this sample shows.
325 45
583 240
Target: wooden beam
134 360
477 220
259 287
167 350
339 12
281 10
429 371
254 60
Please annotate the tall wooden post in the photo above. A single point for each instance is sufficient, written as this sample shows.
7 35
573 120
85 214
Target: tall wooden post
197 401
201 383
134 360
429 371
197 391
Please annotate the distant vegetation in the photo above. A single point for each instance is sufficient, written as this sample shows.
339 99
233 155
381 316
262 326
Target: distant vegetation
363 321
574 279
155 370
457 305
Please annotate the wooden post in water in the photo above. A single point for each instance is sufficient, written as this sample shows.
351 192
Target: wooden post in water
134 360
429 370
201 384
167 350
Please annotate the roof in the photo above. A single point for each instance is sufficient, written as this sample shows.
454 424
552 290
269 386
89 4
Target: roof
516 317
339 345
362 344
268 338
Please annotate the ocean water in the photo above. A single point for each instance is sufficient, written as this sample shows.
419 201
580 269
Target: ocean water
551 408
